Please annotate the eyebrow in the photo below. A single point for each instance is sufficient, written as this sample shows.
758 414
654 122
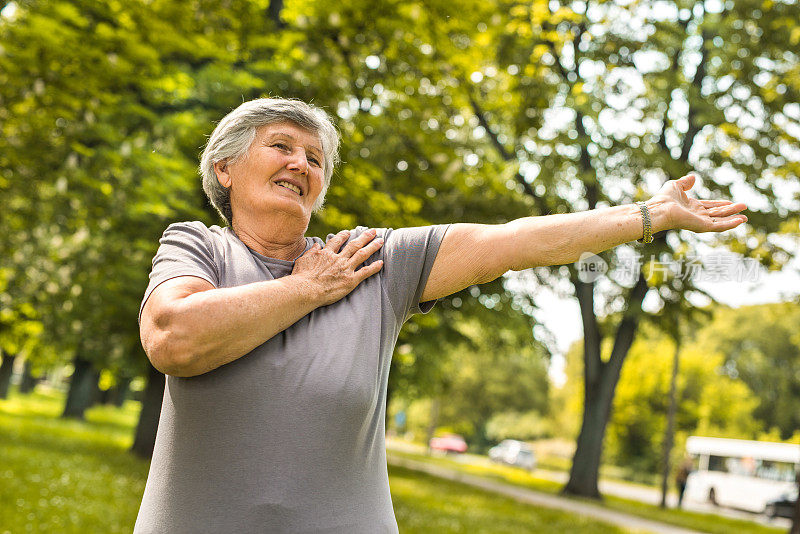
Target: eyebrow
315 148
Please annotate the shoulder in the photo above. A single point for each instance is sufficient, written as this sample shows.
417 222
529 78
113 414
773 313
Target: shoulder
196 231
402 238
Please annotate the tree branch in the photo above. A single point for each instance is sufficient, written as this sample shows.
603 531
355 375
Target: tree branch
274 12
627 327
697 83
592 339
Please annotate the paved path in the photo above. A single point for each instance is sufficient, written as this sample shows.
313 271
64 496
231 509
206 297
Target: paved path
653 496
626 490
542 499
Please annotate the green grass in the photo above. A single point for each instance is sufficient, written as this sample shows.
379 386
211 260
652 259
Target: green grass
78 477
711 523
67 476
425 504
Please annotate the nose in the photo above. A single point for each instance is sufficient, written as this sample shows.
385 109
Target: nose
298 162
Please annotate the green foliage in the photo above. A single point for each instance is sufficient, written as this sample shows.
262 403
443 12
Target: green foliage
518 425
761 348
709 403
736 380
105 108
498 370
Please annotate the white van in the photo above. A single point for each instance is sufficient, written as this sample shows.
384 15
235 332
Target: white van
739 473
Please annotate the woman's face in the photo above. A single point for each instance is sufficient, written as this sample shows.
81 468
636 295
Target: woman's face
282 171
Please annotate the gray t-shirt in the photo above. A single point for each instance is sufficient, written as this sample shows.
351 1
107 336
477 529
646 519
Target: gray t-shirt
289 437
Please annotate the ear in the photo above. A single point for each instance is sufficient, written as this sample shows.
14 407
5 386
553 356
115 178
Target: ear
222 170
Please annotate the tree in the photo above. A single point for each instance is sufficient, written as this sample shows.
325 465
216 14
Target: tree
92 164
709 402
585 111
481 112
762 349
122 134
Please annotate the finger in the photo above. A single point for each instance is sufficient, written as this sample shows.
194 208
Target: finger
715 203
358 243
364 253
336 242
724 211
368 270
721 224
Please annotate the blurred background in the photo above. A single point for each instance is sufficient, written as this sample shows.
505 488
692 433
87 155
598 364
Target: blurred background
474 111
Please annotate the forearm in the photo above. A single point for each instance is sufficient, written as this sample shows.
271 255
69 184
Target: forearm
210 328
561 239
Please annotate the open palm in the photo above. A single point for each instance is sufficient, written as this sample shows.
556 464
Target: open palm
698 215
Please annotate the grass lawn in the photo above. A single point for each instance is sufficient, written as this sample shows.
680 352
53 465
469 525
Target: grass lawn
424 504
77 477
692 520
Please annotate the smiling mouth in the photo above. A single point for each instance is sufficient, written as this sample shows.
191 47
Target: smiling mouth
290 187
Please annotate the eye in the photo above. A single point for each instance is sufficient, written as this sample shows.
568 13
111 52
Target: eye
314 161
280 146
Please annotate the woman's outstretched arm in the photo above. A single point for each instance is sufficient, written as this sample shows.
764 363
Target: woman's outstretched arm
477 253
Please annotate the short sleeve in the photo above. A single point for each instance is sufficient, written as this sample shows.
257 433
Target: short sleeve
185 249
408 255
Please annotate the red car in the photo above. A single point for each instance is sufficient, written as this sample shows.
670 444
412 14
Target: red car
448 443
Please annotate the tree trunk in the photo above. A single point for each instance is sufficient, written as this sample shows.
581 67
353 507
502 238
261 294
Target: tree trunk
6 370
104 396
120 391
600 382
433 423
274 10
82 389
28 381
145 438
584 474
669 435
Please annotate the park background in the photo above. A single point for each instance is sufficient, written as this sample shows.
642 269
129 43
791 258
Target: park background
449 111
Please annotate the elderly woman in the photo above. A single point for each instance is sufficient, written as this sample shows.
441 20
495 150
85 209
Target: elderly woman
278 345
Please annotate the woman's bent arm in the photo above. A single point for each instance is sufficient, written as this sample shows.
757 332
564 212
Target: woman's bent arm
189 328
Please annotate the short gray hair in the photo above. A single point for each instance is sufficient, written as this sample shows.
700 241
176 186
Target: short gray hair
235 133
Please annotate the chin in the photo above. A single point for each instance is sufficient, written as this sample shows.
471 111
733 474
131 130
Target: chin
288 207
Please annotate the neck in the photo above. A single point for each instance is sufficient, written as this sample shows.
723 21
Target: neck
277 240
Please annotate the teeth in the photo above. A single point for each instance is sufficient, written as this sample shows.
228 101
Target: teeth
292 187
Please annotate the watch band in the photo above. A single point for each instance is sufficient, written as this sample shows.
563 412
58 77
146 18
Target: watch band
647 236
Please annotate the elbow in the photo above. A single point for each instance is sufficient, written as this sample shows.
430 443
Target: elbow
170 349
171 359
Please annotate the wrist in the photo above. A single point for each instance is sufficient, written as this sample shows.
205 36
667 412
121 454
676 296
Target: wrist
660 214
304 288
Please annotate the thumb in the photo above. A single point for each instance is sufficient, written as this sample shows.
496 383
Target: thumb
686 182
